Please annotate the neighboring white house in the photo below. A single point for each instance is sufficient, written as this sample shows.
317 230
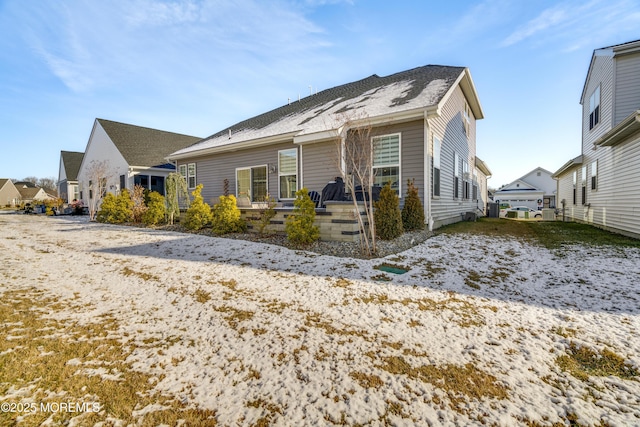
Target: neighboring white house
9 194
70 162
602 185
423 128
129 155
536 190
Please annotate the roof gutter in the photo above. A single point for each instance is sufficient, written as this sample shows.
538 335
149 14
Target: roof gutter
229 147
624 129
567 166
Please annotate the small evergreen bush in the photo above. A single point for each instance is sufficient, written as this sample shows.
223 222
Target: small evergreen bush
387 215
226 216
199 213
299 225
156 209
412 211
116 209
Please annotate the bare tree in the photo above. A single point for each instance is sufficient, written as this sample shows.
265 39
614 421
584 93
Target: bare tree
97 173
48 184
355 163
177 195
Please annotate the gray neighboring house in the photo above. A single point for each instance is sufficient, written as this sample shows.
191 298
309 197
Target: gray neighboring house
9 194
601 186
70 162
423 124
133 155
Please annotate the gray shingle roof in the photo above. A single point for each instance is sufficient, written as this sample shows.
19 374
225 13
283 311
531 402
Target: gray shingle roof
71 161
142 146
419 87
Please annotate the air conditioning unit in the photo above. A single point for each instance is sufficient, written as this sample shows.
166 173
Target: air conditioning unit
548 215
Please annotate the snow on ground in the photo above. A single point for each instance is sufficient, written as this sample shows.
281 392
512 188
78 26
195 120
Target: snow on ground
323 340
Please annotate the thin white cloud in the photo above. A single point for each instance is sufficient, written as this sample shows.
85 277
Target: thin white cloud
572 25
548 18
89 46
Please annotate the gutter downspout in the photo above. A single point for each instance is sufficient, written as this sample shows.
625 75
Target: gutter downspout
427 173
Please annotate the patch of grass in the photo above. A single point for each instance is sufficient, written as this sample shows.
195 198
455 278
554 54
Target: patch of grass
126 271
554 235
234 316
550 234
460 382
583 362
202 296
366 380
46 358
490 227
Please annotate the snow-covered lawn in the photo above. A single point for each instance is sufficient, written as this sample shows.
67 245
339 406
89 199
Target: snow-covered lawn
479 331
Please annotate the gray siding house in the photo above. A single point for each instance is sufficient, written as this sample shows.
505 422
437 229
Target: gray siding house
422 121
70 162
602 185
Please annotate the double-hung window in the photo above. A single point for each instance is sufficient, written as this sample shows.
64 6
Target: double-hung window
386 161
594 108
465 179
437 147
466 120
288 173
191 175
575 187
456 176
594 175
584 184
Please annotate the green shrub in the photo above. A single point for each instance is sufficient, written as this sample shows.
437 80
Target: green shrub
116 209
512 214
226 216
299 225
199 213
412 211
387 215
156 209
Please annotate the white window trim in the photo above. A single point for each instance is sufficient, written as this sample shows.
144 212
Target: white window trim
288 174
594 176
593 106
456 174
189 176
439 167
399 165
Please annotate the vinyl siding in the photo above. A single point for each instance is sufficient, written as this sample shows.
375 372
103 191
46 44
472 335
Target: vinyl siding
320 159
211 171
627 83
319 164
449 128
601 74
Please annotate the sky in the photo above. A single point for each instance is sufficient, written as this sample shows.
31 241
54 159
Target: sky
198 66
